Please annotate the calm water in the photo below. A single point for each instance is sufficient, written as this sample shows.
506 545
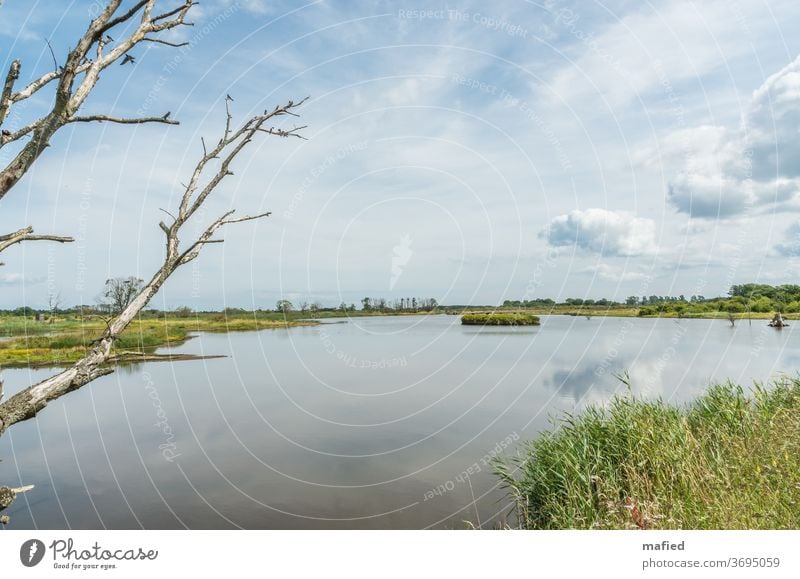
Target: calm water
363 424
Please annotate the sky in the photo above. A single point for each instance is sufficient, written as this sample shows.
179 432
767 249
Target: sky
469 152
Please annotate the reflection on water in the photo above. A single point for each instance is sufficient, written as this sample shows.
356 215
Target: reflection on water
365 424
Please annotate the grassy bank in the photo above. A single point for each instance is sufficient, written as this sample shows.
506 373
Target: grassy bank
649 312
30 343
499 319
729 460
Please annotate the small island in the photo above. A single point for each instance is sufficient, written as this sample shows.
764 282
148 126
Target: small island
499 319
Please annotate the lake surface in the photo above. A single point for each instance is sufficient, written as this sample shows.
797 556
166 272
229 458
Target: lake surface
370 423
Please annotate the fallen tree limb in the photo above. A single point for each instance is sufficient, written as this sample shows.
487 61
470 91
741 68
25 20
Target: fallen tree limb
94 364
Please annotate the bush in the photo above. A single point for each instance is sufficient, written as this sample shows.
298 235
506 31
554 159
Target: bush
727 461
761 305
793 307
499 319
183 312
733 307
647 311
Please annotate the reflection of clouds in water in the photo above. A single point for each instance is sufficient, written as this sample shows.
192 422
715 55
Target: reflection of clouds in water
579 383
260 437
791 361
647 378
650 376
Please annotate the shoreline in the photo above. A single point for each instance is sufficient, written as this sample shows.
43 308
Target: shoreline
34 344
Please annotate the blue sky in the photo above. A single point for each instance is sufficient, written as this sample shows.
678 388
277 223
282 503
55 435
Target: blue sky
462 151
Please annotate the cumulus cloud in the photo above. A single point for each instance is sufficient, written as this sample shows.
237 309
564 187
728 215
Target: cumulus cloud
602 231
791 244
724 172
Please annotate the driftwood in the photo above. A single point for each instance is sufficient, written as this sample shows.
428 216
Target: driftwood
95 51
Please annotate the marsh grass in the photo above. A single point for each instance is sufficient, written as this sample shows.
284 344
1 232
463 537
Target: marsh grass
729 460
499 318
31 343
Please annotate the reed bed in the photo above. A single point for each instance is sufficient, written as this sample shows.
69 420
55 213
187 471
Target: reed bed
728 460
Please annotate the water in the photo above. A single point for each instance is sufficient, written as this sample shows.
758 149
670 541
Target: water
364 424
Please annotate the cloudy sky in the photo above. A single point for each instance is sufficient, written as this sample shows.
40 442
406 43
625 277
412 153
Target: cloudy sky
471 152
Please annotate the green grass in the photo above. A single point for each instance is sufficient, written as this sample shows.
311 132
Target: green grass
65 340
729 460
504 318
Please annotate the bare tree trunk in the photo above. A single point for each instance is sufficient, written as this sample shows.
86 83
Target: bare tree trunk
75 81
31 400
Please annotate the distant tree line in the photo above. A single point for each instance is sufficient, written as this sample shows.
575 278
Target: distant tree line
399 305
368 304
751 297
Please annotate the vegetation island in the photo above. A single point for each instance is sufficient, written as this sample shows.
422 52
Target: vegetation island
499 319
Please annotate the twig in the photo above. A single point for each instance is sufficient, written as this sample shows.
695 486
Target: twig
122 121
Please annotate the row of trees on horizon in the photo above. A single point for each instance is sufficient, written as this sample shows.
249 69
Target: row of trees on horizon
118 292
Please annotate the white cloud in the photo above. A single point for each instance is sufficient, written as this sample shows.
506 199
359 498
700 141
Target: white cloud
790 247
602 231
608 272
19 279
724 172
646 48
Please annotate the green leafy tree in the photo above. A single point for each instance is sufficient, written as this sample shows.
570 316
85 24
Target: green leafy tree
119 291
761 305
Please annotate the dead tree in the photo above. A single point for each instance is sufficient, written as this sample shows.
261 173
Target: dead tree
95 362
74 80
53 305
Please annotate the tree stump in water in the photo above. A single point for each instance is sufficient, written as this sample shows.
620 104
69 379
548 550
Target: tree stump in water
777 321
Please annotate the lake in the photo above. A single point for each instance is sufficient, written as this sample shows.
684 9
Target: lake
380 422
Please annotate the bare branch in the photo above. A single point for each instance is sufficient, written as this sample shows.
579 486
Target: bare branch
43 81
165 42
73 89
282 133
94 364
168 213
234 142
124 17
108 119
26 234
8 87
53 54
172 12
247 218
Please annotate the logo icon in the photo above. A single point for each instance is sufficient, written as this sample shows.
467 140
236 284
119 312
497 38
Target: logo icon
32 552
